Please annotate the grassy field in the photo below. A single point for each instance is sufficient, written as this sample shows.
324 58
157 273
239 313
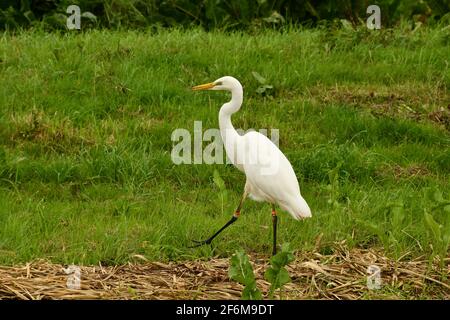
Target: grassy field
86 120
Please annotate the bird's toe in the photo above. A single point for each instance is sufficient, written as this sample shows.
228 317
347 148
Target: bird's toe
199 243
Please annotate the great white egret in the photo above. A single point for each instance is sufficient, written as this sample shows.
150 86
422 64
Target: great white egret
269 173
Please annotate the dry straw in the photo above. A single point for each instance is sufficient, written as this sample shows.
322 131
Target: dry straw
341 275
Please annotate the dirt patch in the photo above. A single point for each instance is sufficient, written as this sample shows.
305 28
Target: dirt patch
341 275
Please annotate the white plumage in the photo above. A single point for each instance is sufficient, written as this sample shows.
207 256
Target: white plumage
270 176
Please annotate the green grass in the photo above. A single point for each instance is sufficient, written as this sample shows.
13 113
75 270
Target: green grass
85 141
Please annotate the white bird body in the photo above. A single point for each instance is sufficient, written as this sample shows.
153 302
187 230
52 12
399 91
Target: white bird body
281 187
270 176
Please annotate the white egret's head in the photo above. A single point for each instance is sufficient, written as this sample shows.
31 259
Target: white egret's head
226 83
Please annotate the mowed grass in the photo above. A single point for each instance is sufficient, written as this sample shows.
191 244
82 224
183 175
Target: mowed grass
86 119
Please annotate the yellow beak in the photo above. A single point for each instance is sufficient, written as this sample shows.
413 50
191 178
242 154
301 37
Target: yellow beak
205 86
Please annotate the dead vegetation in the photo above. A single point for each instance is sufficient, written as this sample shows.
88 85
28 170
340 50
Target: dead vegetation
341 275
38 127
60 135
409 101
399 172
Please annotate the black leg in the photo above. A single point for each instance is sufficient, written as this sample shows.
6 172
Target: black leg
233 219
274 223
208 241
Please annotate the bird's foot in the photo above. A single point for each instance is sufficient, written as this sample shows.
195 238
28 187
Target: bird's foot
200 243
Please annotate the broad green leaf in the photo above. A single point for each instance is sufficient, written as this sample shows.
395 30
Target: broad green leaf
277 275
283 258
251 293
372 227
29 15
218 180
434 226
438 197
311 9
259 77
398 214
262 89
89 15
275 17
277 279
242 271
346 25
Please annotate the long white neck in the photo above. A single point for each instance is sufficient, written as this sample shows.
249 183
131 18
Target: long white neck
227 131
229 108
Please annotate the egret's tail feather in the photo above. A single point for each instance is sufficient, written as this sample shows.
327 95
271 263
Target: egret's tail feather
298 208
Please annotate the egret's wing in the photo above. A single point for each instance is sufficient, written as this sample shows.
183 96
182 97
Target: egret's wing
267 168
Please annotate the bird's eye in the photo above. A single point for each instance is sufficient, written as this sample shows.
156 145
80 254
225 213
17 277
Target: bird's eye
218 83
